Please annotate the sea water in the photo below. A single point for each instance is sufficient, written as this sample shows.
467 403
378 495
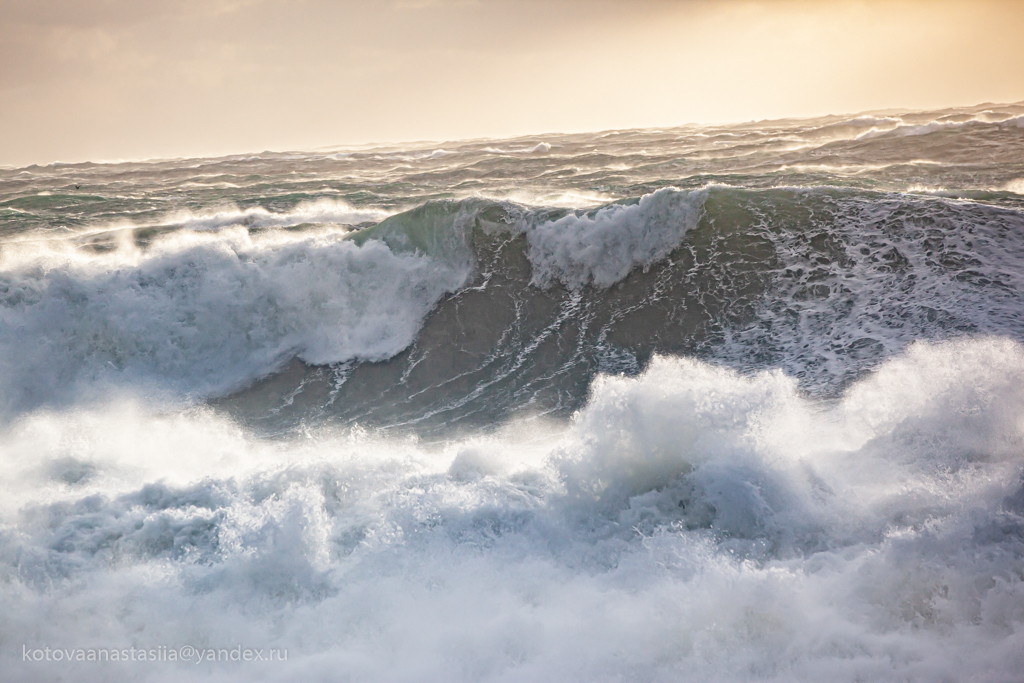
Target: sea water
726 403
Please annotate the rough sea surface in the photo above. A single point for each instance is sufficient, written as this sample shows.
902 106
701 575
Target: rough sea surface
732 403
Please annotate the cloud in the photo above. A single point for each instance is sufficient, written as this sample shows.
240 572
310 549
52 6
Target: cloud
121 78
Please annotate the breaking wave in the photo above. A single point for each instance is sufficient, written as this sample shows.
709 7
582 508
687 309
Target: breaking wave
820 281
696 523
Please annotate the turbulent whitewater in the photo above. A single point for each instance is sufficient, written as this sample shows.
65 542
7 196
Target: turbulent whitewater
733 403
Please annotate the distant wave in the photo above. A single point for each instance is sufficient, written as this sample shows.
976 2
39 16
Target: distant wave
319 211
914 129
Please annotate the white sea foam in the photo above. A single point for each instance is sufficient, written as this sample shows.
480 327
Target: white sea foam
868 121
321 211
1016 186
853 127
202 313
895 268
412 155
909 129
568 200
602 247
540 147
690 524
903 129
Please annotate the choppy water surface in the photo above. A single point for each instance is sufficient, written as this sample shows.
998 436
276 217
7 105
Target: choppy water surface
710 403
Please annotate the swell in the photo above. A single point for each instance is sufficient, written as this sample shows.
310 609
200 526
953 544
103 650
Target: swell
204 309
823 283
466 312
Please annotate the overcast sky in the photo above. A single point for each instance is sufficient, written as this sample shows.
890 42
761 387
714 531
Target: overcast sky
131 79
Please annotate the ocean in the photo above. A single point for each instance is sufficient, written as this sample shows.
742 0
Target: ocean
711 403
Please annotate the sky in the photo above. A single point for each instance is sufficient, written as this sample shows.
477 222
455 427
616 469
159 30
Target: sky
104 80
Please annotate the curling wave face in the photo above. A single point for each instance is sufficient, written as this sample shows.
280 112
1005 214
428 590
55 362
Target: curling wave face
731 403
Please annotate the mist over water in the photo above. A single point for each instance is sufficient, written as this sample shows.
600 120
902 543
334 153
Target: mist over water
716 404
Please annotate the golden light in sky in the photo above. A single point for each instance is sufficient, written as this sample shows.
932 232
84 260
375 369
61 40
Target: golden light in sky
120 79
